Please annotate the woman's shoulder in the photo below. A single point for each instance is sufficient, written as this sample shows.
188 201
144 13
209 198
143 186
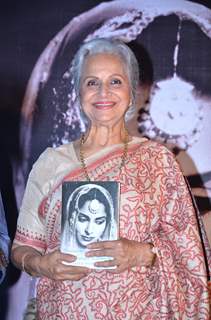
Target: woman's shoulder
51 157
148 143
152 147
155 153
53 153
50 164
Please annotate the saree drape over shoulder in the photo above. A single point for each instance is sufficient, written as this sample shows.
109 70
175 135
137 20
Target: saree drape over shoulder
155 206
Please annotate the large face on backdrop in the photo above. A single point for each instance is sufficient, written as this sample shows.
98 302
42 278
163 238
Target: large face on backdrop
178 111
105 90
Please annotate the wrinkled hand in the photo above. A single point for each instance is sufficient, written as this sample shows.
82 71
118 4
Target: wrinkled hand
125 253
52 266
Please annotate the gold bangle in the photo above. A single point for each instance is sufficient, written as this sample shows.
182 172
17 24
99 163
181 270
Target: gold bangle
23 261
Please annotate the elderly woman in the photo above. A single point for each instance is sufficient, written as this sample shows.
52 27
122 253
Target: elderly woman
159 265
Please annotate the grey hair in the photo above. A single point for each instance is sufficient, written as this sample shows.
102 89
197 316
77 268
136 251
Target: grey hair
111 46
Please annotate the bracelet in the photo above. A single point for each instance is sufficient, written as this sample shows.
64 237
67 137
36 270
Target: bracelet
153 249
155 253
23 262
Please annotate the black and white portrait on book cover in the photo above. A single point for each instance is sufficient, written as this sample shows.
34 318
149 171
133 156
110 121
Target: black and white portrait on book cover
90 213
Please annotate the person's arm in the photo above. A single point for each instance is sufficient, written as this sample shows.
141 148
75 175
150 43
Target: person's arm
48 265
26 259
4 242
29 246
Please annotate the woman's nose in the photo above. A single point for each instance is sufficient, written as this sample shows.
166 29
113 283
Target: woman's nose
104 89
88 229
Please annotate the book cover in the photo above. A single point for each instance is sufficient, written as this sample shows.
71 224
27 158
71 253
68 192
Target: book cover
90 213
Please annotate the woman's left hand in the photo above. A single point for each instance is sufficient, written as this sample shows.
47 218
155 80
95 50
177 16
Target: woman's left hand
125 253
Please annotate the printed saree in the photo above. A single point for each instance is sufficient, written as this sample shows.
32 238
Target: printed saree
155 206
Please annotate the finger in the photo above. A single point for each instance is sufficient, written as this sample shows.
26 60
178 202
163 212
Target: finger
105 264
67 257
78 277
100 253
71 277
67 261
67 273
75 269
102 245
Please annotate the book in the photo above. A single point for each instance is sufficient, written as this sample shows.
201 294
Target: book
90 213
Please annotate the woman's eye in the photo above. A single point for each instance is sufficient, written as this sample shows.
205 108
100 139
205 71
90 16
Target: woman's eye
116 82
100 220
92 83
82 217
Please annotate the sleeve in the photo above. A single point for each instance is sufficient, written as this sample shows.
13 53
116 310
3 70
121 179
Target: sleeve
4 239
175 234
30 226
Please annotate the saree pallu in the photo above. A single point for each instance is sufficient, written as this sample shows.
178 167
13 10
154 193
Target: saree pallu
155 206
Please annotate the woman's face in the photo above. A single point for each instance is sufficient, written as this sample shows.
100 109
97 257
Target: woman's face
105 89
90 222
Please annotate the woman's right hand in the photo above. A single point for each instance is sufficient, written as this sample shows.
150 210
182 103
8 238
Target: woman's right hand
54 266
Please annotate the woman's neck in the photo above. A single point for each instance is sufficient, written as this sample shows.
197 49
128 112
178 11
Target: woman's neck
99 137
103 136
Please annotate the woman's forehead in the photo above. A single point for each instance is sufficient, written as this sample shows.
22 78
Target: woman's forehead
103 61
93 208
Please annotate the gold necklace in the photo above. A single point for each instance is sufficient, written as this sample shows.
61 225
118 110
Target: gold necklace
82 159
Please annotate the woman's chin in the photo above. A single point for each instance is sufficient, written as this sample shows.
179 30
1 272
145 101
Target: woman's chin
106 121
86 241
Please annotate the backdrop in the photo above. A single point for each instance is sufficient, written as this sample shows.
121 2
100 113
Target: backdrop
172 42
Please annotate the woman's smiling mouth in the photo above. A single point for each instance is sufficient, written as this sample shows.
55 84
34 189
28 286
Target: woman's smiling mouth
104 104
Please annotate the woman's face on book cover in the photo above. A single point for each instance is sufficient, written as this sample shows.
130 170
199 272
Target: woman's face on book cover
90 222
